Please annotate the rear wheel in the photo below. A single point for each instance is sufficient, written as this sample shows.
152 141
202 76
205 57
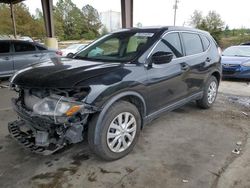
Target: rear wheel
209 93
117 133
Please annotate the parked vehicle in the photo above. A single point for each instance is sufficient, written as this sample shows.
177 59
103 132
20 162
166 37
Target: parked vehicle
26 38
236 62
110 96
16 54
245 44
72 49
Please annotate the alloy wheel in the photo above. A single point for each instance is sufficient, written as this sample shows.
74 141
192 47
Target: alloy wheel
121 132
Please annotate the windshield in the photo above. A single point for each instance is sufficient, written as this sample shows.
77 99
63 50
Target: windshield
117 47
243 51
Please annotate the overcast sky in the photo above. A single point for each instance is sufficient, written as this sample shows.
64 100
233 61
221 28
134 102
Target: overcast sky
234 13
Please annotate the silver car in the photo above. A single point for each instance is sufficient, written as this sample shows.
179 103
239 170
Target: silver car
16 55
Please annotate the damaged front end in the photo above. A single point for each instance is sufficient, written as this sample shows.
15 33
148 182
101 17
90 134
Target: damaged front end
49 119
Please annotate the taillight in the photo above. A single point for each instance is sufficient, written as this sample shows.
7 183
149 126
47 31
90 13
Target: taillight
58 52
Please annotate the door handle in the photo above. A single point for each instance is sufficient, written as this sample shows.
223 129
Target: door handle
6 58
35 55
184 66
208 59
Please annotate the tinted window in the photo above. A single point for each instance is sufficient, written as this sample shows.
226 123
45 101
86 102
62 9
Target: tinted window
205 42
162 47
172 40
23 47
41 48
4 47
192 43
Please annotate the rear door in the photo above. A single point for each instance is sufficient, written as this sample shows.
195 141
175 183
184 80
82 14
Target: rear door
25 54
196 59
6 60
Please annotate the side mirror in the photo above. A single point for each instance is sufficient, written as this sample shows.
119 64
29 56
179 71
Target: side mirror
162 57
70 55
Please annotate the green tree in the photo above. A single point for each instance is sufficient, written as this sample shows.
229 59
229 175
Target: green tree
25 23
5 20
92 21
211 23
69 18
196 19
104 30
38 26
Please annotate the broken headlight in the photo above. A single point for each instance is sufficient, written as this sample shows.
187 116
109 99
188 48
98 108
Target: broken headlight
56 107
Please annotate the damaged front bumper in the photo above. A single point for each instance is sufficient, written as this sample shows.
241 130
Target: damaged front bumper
41 134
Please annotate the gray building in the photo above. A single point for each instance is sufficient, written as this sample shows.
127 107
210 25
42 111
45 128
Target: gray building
111 20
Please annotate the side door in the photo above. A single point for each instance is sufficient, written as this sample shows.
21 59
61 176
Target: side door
25 54
6 60
166 83
196 59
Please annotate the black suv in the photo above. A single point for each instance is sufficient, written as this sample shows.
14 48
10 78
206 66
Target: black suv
112 88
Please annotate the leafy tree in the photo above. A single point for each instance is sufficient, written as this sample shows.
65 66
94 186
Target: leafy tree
196 19
70 22
104 30
70 18
5 20
92 19
25 23
211 23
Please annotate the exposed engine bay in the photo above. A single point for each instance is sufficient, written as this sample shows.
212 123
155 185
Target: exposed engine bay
50 119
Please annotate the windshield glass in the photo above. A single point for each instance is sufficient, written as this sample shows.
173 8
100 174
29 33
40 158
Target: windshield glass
117 47
243 51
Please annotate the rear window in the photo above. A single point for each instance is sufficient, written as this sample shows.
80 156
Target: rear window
4 47
24 47
205 42
192 43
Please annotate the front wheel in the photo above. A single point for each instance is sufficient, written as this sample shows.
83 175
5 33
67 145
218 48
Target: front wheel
210 93
117 133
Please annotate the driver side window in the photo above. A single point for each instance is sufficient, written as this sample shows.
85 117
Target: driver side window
170 43
172 40
162 47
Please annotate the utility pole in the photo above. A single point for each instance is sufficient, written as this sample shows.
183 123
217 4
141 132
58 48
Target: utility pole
13 18
175 7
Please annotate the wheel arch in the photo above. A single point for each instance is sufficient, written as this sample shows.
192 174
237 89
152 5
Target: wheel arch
217 75
130 96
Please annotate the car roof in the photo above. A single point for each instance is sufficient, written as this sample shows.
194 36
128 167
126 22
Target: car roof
239 46
13 40
160 28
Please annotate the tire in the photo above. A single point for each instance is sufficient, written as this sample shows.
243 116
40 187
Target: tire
101 137
210 93
69 55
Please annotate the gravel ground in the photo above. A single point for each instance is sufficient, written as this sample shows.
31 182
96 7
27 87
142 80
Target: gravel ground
188 147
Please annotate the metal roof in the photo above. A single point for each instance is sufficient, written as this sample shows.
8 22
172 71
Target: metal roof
11 1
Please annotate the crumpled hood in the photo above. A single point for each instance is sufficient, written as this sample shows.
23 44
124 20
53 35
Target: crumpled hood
61 73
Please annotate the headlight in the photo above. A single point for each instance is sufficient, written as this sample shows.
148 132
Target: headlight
56 107
246 64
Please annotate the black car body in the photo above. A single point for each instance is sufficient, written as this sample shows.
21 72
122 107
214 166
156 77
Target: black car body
108 93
